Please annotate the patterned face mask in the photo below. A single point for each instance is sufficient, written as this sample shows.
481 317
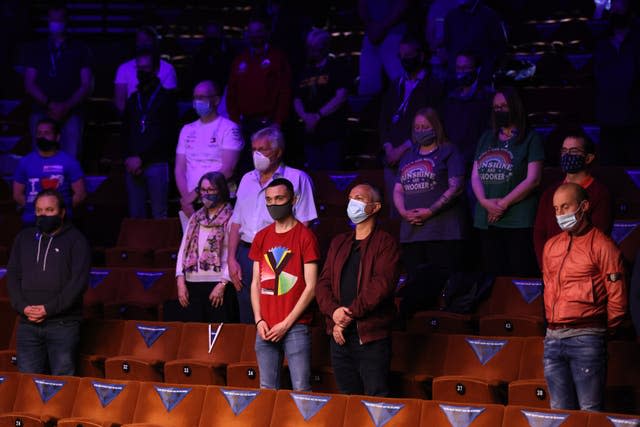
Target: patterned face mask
573 163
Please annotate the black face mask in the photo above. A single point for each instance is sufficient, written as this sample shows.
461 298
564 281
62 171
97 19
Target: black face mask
465 78
44 144
411 64
279 212
501 118
573 163
48 224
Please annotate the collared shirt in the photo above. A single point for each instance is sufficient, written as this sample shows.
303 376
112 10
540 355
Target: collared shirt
251 212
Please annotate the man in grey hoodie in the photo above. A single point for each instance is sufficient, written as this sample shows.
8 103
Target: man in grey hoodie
47 274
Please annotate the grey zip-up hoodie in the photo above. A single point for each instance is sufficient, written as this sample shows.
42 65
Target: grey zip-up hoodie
50 270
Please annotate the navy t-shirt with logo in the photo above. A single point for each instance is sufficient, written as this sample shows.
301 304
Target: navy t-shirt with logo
39 173
424 179
502 165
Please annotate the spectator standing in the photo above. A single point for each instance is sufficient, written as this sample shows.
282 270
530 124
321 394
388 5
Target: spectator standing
213 59
250 213
285 270
355 293
148 132
506 172
205 291
47 274
210 144
585 297
320 103
58 79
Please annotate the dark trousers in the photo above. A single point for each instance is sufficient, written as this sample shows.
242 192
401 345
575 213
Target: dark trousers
509 252
361 368
48 347
200 308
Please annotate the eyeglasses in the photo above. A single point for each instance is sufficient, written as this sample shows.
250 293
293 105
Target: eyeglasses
501 107
208 191
573 151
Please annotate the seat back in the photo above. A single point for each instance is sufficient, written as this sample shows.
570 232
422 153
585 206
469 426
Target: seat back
237 407
248 353
149 234
101 336
146 287
8 386
516 296
169 405
531 366
520 416
487 358
46 395
103 286
600 419
151 340
418 354
436 413
194 343
7 320
293 409
106 401
376 411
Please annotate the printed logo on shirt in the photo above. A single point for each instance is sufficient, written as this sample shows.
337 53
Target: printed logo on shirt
272 272
418 176
57 169
495 166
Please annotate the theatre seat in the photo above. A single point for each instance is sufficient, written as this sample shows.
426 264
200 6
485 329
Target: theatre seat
8 386
194 364
102 290
103 403
141 294
9 357
375 411
41 400
241 407
7 320
510 325
415 361
601 419
293 409
515 296
168 405
442 322
622 393
245 372
530 389
477 369
99 339
145 348
453 414
521 416
323 379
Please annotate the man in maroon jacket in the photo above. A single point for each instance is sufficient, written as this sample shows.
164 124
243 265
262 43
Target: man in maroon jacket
355 293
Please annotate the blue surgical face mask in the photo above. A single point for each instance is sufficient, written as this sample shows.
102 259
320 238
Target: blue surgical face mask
356 211
202 107
568 222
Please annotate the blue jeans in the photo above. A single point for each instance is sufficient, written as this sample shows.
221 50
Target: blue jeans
244 296
296 345
575 369
70 135
53 341
152 183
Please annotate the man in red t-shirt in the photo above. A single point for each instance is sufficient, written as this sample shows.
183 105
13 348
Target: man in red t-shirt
285 256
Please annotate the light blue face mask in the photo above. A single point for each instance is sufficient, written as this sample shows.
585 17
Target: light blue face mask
202 107
568 222
356 211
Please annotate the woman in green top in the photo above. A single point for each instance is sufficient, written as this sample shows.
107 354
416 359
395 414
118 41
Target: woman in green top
506 171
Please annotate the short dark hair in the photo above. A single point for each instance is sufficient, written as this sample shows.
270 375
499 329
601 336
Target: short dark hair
517 114
283 181
219 181
472 55
151 32
411 39
50 192
49 121
578 132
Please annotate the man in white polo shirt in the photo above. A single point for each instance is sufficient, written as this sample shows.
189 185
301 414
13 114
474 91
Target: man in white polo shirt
250 214
210 144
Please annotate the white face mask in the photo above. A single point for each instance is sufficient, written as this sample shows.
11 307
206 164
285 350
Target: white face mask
568 222
356 211
260 161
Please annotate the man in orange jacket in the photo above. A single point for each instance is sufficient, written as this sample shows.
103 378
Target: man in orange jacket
585 297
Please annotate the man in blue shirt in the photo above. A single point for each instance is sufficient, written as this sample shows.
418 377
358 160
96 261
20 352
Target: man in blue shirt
47 168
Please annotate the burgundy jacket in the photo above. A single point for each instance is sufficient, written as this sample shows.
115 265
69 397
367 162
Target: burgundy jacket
373 308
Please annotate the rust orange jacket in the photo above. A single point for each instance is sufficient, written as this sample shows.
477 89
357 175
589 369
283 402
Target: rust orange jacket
584 281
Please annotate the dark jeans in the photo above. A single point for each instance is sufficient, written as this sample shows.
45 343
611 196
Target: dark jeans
53 341
152 184
200 308
509 252
244 296
575 369
327 155
361 368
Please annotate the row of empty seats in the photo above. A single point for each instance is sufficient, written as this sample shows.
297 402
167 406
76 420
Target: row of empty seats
35 400
460 368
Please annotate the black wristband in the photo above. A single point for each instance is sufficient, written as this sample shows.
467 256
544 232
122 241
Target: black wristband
258 322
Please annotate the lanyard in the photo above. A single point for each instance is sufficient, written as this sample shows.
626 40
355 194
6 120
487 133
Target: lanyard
54 55
407 95
145 112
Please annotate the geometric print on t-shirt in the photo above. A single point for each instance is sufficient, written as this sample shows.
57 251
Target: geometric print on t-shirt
273 265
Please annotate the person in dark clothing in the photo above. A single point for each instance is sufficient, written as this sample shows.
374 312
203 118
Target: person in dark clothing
320 103
355 294
149 130
48 294
474 25
404 97
213 59
616 62
466 111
